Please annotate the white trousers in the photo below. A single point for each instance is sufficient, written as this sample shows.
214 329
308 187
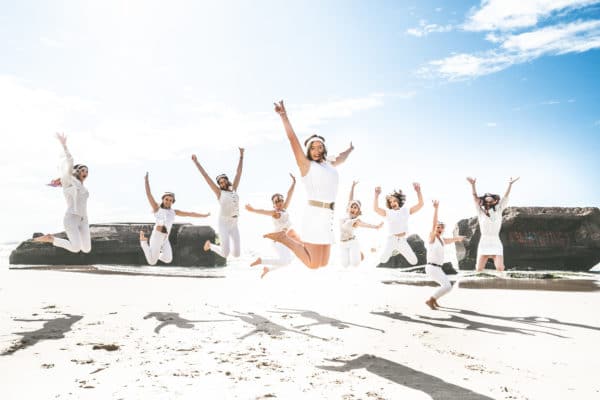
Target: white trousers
78 239
438 275
350 253
228 232
284 257
395 243
158 249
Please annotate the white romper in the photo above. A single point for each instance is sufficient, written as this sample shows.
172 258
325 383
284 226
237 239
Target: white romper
321 184
489 243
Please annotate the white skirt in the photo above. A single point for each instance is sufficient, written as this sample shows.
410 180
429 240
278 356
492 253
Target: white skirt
317 225
490 246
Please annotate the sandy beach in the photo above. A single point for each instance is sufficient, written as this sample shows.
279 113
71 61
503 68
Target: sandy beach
328 334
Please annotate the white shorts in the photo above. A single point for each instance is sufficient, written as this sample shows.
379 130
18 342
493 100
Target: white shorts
317 225
490 246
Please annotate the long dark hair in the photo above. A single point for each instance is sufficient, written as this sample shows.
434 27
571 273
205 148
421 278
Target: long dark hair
324 157
484 205
398 195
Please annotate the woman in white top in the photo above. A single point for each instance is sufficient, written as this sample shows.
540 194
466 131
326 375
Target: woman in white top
489 214
396 215
435 258
349 246
282 223
159 247
229 210
320 180
75 221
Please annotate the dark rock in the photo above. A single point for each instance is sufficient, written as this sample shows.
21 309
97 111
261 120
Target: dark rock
539 238
119 243
398 261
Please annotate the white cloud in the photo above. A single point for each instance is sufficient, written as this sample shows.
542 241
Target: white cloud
513 14
51 42
575 37
425 29
550 102
491 124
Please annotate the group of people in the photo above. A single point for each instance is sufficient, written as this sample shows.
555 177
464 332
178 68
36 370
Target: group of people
313 245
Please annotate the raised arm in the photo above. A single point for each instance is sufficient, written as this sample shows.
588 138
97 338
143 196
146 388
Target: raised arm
290 192
269 213
351 197
301 160
211 184
436 204
151 200
419 205
238 172
473 189
362 224
66 169
510 183
342 156
191 214
378 210
453 239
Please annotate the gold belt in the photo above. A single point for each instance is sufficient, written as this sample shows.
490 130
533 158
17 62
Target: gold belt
320 204
349 239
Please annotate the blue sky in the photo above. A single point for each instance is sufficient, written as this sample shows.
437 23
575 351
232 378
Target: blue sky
427 91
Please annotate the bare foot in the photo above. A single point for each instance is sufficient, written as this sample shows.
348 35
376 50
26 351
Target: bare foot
44 239
276 236
431 303
207 245
362 256
265 271
256 262
436 304
142 237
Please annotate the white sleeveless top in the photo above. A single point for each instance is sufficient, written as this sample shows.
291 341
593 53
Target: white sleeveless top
282 223
230 204
346 228
165 217
490 226
435 252
321 182
397 220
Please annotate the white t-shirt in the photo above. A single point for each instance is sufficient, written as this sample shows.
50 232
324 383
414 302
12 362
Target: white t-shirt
230 204
165 217
397 220
282 223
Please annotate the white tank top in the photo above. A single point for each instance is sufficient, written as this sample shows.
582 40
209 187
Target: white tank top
76 195
346 228
282 223
165 217
435 252
397 220
230 204
321 182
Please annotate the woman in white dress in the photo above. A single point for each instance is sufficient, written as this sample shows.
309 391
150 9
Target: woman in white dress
282 223
159 247
320 179
349 245
489 214
229 210
397 215
75 220
435 258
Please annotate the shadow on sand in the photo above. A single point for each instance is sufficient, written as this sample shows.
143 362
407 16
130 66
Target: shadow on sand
435 387
171 318
262 324
321 319
52 329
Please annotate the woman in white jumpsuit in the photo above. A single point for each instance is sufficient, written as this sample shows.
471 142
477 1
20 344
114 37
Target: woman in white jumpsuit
435 258
229 210
396 215
320 179
349 245
75 220
489 214
282 223
159 247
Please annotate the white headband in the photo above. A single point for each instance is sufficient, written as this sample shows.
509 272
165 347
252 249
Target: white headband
314 139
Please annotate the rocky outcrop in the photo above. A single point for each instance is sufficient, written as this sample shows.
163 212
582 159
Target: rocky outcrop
398 261
554 238
119 243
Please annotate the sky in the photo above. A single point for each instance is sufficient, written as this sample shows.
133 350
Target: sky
427 91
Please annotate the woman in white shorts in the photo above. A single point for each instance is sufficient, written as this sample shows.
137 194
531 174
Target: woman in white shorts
75 220
435 258
396 215
159 247
349 245
229 210
320 179
282 223
489 214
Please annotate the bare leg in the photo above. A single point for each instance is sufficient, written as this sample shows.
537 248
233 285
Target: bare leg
298 248
44 239
265 271
481 263
143 237
256 262
207 245
499 263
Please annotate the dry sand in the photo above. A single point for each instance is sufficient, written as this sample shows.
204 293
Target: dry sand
297 333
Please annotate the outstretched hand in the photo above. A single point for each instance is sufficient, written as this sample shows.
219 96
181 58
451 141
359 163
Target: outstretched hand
293 178
241 151
471 180
513 180
280 108
194 158
417 187
436 203
354 183
377 190
146 177
249 207
351 146
459 238
62 138
379 225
